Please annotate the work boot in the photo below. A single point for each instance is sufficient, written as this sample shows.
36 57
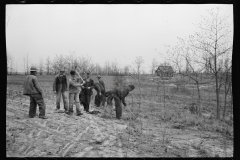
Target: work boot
43 117
79 114
70 113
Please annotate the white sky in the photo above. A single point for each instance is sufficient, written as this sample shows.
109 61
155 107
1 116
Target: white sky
104 32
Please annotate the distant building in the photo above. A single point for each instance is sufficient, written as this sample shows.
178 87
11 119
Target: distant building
164 71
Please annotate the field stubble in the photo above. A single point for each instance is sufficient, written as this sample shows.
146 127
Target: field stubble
152 130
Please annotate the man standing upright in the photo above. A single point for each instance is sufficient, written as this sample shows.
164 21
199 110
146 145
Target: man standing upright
32 89
60 88
74 90
86 92
100 99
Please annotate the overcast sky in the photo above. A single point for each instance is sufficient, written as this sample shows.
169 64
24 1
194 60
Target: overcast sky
104 32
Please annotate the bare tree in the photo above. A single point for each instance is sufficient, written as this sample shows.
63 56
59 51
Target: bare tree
84 63
16 71
114 67
227 82
59 61
48 65
182 53
153 66
212 42
138 64
126 69
9 63
41 66
98 69
107 67
26 64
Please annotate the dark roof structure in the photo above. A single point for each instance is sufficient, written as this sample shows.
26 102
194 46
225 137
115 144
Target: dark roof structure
164 71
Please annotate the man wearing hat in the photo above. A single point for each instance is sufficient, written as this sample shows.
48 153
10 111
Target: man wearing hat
32 89
85 95
100 98
60 88
75 82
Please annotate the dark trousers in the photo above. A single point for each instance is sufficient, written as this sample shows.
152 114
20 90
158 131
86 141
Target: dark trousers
37 99
98 100
65 100
118 107
87 102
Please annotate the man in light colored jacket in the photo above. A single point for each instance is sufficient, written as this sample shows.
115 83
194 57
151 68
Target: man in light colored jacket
75 82
60 88
32 89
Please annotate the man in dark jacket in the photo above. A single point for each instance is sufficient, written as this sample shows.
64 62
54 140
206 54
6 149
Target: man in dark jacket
100 100
32 89
60 88
118 93
98 97
86 92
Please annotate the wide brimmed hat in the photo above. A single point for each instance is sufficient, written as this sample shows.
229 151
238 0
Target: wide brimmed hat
33 68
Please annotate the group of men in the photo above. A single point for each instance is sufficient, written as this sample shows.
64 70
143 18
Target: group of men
74 90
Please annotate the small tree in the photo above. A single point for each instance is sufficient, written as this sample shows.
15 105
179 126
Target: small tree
41 66
153 66
48 65
212 42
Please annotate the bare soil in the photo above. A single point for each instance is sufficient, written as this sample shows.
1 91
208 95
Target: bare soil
155 131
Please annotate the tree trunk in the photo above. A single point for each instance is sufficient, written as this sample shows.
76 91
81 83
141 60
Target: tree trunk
199 100
217 94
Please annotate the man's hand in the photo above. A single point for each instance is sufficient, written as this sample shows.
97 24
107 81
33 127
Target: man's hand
89 87
54 92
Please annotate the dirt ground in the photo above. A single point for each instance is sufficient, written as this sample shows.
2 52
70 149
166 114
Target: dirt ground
148 128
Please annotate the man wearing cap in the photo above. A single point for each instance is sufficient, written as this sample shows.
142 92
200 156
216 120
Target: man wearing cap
100 99
86 92
60 88
32 89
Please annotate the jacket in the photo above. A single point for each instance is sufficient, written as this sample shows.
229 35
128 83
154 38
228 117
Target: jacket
31 86
73 89
102 84
98 88
90 84
60 83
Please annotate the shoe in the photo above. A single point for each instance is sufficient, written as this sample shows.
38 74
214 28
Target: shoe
61 111
43 117
56 110
79 114
65 111
31 116
70 113
87 112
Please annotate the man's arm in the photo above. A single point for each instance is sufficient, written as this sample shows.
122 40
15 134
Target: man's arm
36 85
74 84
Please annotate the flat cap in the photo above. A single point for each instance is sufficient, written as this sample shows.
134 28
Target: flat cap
33 68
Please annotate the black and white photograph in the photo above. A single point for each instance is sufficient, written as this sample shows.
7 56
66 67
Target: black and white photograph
119 80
